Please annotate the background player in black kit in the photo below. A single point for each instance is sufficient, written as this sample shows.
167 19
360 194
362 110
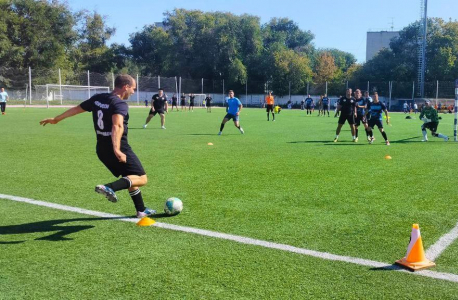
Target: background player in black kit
191 102
159 106
208 103
174 101
347 106
110 116
361 106
183 102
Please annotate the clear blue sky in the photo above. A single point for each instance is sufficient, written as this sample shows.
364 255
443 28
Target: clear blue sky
340 24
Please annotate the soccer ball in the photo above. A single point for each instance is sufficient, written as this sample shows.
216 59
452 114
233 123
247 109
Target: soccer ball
173 206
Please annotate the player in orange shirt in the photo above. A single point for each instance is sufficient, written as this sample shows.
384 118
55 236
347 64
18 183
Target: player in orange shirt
270 106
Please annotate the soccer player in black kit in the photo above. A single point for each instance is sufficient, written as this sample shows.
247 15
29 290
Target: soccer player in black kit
191 101
174 101
110 116
361 106
347 106
208 102
159 106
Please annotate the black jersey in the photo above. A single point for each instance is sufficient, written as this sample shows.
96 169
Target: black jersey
191 99
208 100
103 107
159 102
347 105
174 99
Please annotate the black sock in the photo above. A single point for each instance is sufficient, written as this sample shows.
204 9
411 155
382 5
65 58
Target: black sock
237 126
221 127
384 135
267 116
367 132
371 133
120 184
356 132
273 116
138 200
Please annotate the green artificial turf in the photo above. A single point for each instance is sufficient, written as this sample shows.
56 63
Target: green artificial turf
282 181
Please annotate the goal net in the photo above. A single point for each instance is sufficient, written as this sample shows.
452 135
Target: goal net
56 92
198 100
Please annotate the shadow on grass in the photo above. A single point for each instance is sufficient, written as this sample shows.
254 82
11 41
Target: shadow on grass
392 267
201 134
49 226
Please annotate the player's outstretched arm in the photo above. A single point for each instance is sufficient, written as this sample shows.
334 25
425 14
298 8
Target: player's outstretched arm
69 113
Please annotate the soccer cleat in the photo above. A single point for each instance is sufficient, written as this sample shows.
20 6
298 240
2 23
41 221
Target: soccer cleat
355 140
107 192
147 212
387 143
335 140
241 130
144 126
220 133
425 140
162 127
446 139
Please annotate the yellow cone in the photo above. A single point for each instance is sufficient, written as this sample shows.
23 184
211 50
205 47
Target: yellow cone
145 221
415 258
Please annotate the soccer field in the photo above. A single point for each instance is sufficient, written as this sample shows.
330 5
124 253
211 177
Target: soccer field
281 183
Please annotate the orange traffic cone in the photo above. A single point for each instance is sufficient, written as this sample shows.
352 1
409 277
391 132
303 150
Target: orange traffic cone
145 221
415 259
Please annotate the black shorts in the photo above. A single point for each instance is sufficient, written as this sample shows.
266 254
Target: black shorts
430 125
308 107
375 121
191 104
349 118
360 119
270 108
132 166
156 111
325 107
174 103
209 104
183 103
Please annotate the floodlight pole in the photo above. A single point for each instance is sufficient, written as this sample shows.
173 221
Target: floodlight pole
456 110
138 92
60 87
88 85
30 85
202 86
158 81
326 88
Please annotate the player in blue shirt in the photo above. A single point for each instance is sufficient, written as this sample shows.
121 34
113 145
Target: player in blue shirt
308 104
361 106
376 109
110 115
325 105
234 106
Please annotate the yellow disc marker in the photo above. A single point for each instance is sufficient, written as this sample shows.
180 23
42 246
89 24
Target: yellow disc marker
145 221
387 157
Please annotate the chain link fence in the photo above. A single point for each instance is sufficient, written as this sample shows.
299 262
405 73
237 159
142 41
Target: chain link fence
61 87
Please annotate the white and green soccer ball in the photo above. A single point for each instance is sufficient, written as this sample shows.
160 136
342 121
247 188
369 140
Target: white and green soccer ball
173 206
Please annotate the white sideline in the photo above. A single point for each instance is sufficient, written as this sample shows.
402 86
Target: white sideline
241 239
438 247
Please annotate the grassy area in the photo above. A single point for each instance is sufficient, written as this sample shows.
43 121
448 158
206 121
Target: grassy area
283 181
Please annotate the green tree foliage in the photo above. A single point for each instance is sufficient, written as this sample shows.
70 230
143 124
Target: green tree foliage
91 51
35 34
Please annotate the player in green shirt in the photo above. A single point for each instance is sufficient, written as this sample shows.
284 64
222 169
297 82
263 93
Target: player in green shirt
431 120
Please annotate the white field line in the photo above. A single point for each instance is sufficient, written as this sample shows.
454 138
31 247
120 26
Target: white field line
446 240
242 240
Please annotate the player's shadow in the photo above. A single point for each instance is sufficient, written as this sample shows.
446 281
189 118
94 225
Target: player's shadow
200 134
310 142
408 140
162 215
59 232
